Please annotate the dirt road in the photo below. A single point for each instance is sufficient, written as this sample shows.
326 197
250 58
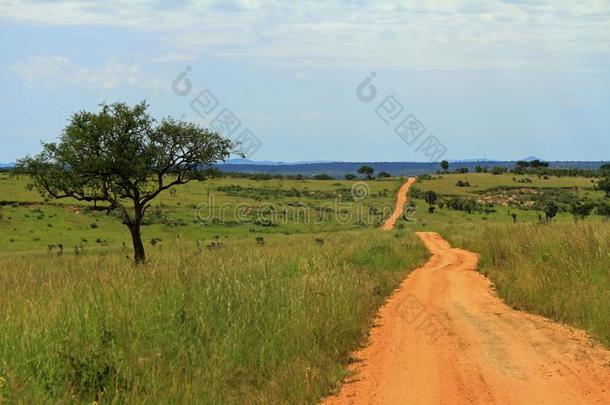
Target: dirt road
401 199
445 338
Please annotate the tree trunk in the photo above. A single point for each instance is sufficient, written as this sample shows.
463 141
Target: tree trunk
138 247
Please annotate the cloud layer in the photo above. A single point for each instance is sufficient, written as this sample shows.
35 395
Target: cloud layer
50 71
562 35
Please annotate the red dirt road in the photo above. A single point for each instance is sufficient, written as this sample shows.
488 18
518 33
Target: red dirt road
401 199
444 337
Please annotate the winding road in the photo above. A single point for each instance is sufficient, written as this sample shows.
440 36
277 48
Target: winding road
444 337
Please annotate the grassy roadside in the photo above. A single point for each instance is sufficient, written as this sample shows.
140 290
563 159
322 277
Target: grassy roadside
241 323
559 270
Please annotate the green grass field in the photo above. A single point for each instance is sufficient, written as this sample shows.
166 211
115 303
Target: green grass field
446 184
261 297
244 323
241 208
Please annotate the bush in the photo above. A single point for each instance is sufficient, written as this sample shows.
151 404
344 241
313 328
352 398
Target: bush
497 170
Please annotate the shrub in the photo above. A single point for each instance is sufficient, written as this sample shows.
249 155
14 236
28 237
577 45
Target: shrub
497 170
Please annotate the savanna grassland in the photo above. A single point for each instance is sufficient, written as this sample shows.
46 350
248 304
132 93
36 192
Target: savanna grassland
558 268
258 290
258 309
204 211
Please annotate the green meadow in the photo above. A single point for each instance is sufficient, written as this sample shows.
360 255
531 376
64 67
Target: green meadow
199 211
258 290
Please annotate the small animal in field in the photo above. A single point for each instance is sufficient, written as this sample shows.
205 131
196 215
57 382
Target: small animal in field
319 241
214 245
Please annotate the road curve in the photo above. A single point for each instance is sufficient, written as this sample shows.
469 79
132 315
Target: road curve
401 199
444 337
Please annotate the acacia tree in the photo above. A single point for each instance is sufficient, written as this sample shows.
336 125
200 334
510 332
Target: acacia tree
430 197
367 171
120 159
604 185
550 210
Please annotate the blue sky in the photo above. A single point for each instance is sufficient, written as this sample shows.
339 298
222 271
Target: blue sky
495 79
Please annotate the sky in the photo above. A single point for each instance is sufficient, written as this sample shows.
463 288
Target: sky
330 80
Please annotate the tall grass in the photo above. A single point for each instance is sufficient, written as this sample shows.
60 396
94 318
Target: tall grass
242 323
559 270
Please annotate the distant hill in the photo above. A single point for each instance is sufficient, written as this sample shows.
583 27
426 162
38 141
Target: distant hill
340 169
271 162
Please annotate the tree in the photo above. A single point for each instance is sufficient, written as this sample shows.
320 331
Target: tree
497 170
550 210
121 158
383 175
445 166
350 176
521 166
479 169
537 164
604 185
605 169
604 210
430 197
581 211
367 171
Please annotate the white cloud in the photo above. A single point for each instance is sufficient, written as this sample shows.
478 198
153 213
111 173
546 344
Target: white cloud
559 35
52 71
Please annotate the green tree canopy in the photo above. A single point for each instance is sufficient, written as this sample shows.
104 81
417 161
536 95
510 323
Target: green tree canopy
430 197
120 158
367 171
604 185
550 210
